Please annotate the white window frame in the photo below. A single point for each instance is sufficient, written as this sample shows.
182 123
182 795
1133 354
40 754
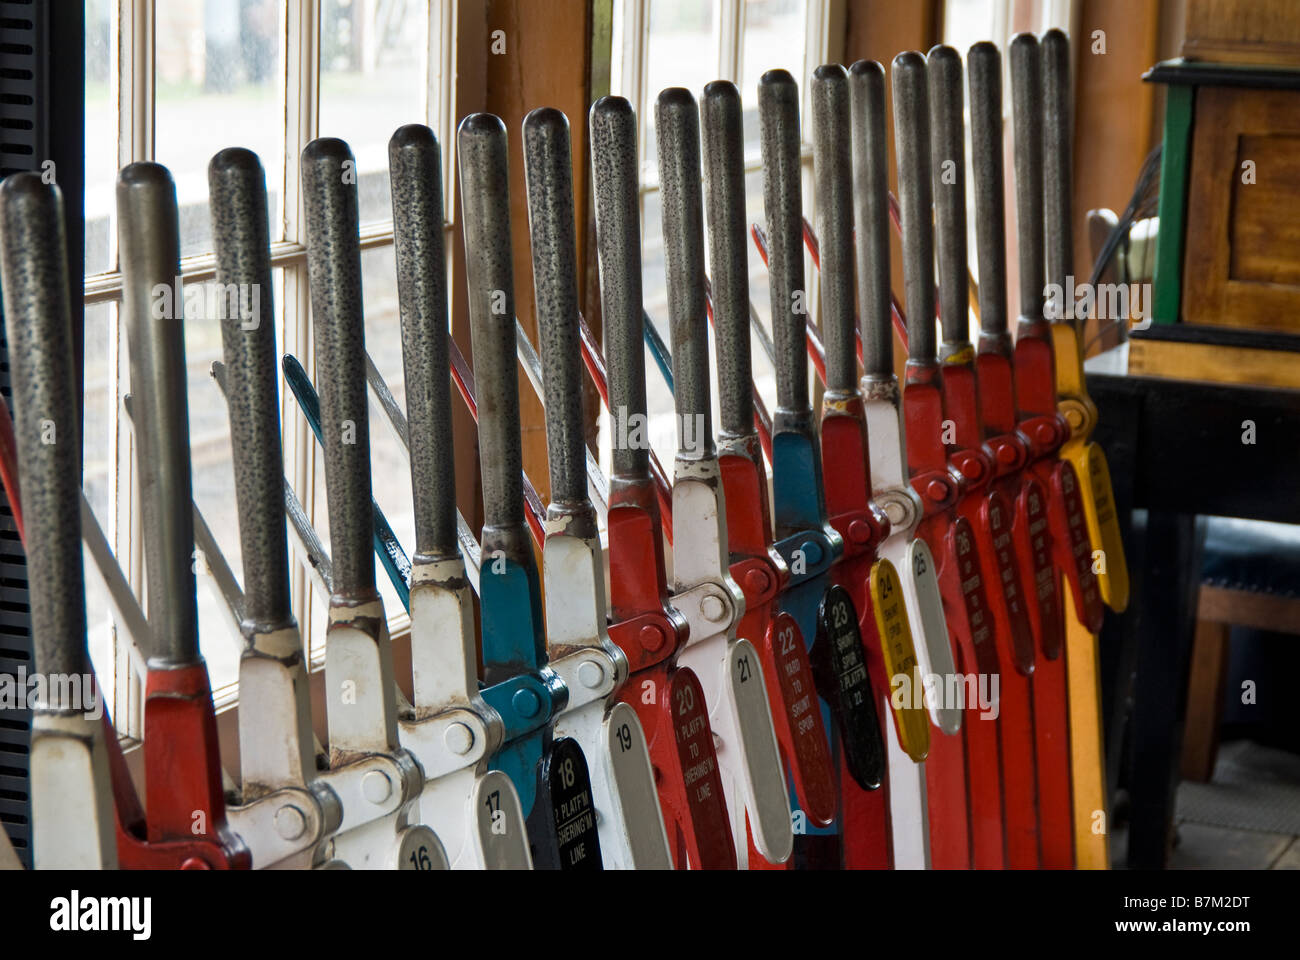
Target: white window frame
132 75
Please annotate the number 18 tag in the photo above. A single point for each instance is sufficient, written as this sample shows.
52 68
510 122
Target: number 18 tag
565 796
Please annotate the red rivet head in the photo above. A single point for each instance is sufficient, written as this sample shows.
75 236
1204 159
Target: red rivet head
652 637
936 490
859 531
1044 433
971 468
194 863
1006 454
757 581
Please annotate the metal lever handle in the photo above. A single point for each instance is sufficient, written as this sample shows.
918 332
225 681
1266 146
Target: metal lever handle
1056 157
912 136
38 329
613 125
149 238
415 165
984 63
778 113
724 184
831 161
549 179
871 215
948 167
677 127
334 271
485 200
237 191
1027 109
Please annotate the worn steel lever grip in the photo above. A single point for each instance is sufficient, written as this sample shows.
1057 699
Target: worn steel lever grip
912 136
1027 113
677 127
871 216
720 112
38 329
334 271
948 168
984 69
149 239
1057 175
415 167
549 180
778 113
72 813
485 196
830 120
613 125
237 191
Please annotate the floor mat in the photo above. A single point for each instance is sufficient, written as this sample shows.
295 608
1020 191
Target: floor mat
1254 788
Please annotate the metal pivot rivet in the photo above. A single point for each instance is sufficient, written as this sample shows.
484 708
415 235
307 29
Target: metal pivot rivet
376 787
458 738
290 824
590 674
757 581
812 552
526 703
713 608
652 637
896 512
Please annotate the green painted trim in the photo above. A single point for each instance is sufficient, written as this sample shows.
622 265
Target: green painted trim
1175 161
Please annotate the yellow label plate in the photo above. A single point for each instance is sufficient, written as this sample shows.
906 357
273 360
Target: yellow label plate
1103 524
907 691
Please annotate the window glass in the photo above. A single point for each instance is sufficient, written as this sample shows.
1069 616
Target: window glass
219 78
373 80
773 37
390 469
98 473
212 475
101 136
681 51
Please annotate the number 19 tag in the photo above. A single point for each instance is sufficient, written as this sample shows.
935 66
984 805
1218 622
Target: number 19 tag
632 787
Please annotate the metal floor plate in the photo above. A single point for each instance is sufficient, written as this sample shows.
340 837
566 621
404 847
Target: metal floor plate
1254 788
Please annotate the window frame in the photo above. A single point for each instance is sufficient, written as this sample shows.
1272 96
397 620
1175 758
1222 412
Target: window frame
133 88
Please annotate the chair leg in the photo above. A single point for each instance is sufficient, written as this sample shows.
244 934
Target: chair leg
1205 685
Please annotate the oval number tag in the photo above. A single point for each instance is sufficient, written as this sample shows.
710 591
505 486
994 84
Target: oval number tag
907 691
501 836
924 584
846 687
770 809
697 759
1034 541
1066 512
418 848
798 720
632 784
565 797
996 517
